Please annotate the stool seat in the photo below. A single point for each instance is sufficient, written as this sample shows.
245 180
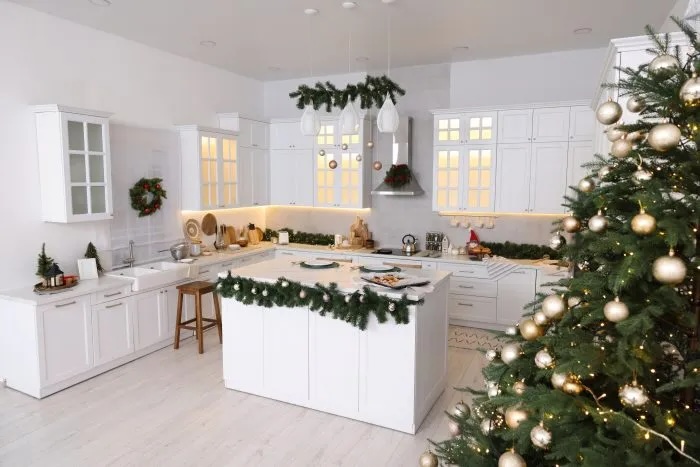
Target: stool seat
197 289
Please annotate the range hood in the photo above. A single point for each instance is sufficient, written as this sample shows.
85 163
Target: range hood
400 146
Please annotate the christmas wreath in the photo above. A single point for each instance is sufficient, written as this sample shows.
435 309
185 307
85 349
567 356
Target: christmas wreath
398 175
142 191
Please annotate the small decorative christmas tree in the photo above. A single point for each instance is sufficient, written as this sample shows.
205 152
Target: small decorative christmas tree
43 263
91 252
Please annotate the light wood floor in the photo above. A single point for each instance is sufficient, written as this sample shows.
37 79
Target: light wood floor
171 408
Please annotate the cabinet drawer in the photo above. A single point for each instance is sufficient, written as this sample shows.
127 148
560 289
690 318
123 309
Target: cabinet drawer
113 294
475 271
470 308
478 287
520 276
409 264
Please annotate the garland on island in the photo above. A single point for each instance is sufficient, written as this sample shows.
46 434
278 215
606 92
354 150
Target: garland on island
521 250
372 92
301 237
352 308
139 196
398 175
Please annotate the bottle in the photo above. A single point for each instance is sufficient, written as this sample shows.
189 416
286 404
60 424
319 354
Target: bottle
445 244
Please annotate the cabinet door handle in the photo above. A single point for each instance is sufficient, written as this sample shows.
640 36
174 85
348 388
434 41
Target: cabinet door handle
466 286
465 304
66 304
204 271
466 272
227 265
107 295
115 305
518 272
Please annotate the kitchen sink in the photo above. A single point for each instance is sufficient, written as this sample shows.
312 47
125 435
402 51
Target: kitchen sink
152 275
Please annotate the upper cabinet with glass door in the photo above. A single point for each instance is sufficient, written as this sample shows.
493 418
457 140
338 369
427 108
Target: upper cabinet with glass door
74 164
465 128
210 168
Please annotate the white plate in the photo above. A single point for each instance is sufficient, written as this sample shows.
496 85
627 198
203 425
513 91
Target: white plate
186 260
318 263
378 267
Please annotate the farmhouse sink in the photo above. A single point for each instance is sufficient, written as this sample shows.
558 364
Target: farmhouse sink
152 275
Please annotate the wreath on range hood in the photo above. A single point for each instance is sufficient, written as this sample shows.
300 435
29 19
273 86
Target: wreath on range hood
398 175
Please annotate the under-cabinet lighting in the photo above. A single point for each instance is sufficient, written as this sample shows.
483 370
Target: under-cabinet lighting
324 208
496 214
218 210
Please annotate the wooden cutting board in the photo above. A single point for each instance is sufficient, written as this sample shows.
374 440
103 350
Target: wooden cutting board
209 224
232 237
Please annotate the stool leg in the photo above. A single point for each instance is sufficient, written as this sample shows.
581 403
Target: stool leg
198 311
217 309
178 320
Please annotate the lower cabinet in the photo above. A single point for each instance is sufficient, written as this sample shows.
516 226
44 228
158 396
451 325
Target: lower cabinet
112 331
515 291
150 318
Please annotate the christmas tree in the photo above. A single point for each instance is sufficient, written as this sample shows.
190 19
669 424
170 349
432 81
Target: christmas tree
43 262
91 252
604 371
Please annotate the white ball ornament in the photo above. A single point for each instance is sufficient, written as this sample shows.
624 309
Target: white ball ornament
571 224
633 395
428 459
664 65
621 148
454 428
265 293
544 359
669 269
529 329
254 291
285 284
510 353
302 294
519 388
540 318
608 112
487 425
370 144
614 133
515 416
348 298
598 223
635 104
586 185
461 410
616 311
641 175
573 301
690 92
540 436
511 331
558 380
636 135
236 287
604 171
493 391
511 459
326 298
557 241
358 158
664 137
643 223
553 306
392 306
490 355
377 165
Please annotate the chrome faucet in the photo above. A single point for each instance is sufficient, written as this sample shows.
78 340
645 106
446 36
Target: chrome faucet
130 260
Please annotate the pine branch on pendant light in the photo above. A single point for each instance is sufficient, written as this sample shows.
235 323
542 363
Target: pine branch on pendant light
388 116
310 122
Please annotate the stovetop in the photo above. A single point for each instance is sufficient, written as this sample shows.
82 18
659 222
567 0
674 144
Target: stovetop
394 252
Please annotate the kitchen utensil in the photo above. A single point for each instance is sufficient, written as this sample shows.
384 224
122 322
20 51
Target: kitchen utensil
369 243
253 238
261 234
192 229
319 264
409 244
179 251
231 232
242 242
195 248
209 224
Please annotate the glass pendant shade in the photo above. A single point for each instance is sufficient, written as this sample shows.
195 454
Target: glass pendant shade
310 123
349 120
388 116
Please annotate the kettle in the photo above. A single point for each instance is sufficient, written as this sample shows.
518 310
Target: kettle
410 245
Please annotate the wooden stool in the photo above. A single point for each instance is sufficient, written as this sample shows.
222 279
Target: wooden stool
197 289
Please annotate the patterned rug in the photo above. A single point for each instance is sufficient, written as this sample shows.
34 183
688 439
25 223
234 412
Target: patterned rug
472 338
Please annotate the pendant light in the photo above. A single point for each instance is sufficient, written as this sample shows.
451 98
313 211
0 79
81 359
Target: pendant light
310 122
349 121
388 116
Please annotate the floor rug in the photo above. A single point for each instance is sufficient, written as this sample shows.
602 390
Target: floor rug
473 338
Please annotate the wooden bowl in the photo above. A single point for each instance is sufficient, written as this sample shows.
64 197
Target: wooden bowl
243 242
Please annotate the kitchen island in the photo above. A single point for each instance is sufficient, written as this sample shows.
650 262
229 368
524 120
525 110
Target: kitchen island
389 374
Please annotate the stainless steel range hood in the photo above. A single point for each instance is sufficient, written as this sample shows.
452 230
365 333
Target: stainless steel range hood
400 146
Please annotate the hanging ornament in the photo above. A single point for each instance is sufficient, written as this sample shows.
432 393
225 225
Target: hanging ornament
572 386
487 426
558 380
333 164
302 294
586 185
529 329
690 91
583 265
669 269
539 318
310 123
377 165
540 437
490 355
616 311
344 147
553 306
635 104
573 301
358 158
265 293
604 171
614 133
641 175
598 223
493 391
510 353
326 298
392 306
671 350
664 65
511 331
608 112
285 284
428 459
370 144
236 287
643 223
633 395
519 388
544 359
348 298
621 148
571 224
557 241
454 428
664 137
515 416
461 410
254 291
511 459
636 135
349 120
388 117
362 298
321 152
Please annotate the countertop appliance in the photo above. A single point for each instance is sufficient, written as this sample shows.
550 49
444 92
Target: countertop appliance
410 245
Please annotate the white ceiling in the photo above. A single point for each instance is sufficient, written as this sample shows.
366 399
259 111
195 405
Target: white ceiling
255 37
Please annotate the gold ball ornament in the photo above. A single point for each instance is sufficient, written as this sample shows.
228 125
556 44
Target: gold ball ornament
669 269
570 224
608 112
358 158
573 301
621 148
510 353
519 388
321 153
614 133
540 319
604 171
515 416
557 241
690 91
641 175
544 359
586 185
553 306
428 459
598 223
370 144
454 428
664 137
461 410
558 380
635 104
540 436
636 135
616 311
664 65
572 387
487 425
529 329
344 147
511 459
377 165
633 395
490 355
333 164
643 223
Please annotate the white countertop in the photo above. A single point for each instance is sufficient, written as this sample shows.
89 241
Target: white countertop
27 296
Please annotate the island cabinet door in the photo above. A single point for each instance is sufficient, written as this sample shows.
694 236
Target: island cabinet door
334 356
243 346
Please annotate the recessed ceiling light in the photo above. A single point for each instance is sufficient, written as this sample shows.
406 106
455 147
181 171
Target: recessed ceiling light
311 11
583 31
349 5
388 1
101 2
362 59
208 44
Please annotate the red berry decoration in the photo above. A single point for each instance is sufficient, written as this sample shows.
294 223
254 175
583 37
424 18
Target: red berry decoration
157 186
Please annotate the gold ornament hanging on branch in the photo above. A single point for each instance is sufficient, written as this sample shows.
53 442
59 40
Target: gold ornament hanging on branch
608 112
664 137
669 269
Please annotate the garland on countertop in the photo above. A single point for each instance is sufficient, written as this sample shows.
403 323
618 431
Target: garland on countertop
352 308
139 196
301 237
372 92
398 175
521 250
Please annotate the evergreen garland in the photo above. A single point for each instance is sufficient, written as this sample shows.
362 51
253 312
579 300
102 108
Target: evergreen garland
352 308
301 237
520 250
91 252
372 92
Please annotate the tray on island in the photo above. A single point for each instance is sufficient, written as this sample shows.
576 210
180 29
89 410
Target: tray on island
394 281
319 264
41 290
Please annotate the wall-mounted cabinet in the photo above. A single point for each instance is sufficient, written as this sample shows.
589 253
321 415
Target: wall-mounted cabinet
465 128
292 177
464 178
286 134
74 164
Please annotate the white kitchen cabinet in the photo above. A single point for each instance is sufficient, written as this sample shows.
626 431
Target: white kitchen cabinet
253 188
291 177
210 168
472 308
286 134
515 126
464 178
515 291
581 123
580 152
456 129
74 164
550 124
252 133
245 172
112 330
150 318
548 177
513 184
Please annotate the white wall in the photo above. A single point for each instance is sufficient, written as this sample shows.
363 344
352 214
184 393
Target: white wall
49 60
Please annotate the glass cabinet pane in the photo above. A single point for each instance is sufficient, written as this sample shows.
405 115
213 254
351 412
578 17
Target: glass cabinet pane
97 168
326 136
447 180
97 199
79 204
76 136
77 168
95 137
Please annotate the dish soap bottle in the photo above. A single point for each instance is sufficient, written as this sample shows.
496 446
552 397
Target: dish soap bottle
445 244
